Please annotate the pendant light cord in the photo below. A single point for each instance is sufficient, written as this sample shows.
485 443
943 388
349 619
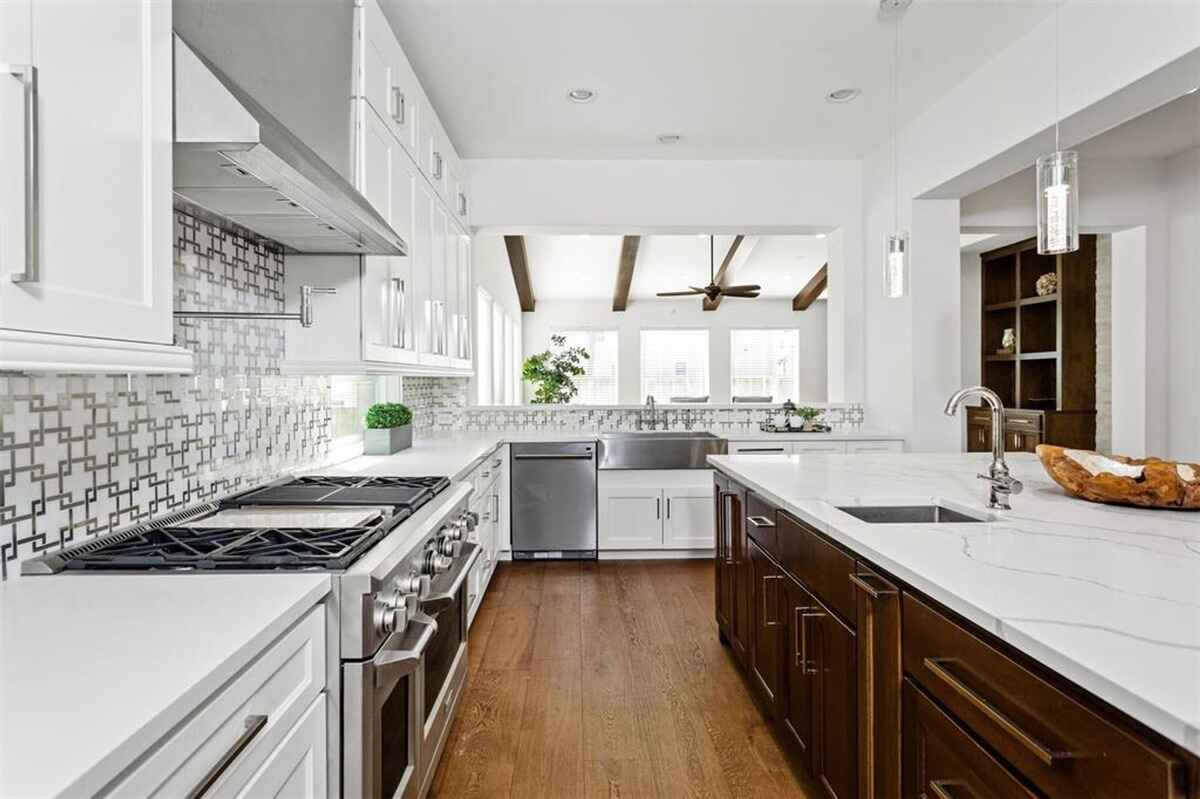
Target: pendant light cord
896 126
1057 76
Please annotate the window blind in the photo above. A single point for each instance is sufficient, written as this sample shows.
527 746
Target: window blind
674 363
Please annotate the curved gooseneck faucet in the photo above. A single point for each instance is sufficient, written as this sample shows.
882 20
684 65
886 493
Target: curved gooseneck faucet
1003 484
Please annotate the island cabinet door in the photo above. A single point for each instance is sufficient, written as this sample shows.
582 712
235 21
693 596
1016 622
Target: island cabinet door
723 559
835 730
766 637
796 700
743 581
879 684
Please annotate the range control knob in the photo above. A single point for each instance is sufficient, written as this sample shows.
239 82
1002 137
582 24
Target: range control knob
414 583
454 532
471 518
448 547
391 612
436 563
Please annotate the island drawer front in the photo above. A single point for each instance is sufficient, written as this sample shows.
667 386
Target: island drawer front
761 524
1059 744
821 565
1019 423
941 759
244 721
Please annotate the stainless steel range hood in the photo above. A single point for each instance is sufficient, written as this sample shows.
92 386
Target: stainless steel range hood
237 163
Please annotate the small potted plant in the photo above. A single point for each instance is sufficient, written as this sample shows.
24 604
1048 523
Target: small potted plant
810 419
389 429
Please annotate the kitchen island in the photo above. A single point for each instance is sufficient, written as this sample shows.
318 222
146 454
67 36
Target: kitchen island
1088 611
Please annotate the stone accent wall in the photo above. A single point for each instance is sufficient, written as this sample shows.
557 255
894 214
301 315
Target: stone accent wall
1104 343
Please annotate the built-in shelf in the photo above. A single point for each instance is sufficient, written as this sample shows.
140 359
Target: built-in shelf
1037 356
1000 356
1008 306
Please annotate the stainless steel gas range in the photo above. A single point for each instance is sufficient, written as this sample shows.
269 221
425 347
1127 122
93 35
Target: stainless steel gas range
399 549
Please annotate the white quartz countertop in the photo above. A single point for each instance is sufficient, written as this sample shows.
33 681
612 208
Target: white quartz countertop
1109 597
97 668
454 454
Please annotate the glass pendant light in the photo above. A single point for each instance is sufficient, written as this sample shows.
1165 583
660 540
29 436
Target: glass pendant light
895 263
1057 183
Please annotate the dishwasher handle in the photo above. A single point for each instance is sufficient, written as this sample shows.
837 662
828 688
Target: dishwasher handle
553 457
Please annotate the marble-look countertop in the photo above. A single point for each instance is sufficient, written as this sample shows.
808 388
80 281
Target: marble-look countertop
1109 597
455 454
95 669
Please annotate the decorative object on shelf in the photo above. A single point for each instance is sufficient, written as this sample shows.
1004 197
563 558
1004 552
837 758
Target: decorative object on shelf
895 263
553 372
810 420
1057 182
1008 342
1118 480
389 429
1047 284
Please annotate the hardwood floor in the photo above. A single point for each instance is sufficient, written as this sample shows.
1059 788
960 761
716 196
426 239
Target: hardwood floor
606 679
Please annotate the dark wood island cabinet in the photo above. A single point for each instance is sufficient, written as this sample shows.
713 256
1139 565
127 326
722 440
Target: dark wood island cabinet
878 692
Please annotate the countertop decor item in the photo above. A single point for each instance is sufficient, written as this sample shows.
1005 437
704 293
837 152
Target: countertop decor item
810 420
1117 480
553 372
389 429
1047 284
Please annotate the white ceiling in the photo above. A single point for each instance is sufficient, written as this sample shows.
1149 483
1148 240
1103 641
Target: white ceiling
585 267
736 78
1167 130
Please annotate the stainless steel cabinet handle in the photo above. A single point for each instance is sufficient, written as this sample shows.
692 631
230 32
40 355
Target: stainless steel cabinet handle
27 74
726 496
658 508
547 457
399 106
805 615
496 463
435 603
668 507
767 580
759 449
400 317
437 165
399 662
760 522
254 725
462 204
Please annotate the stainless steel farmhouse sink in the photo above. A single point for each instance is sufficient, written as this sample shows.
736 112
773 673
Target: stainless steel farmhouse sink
670 449
909 514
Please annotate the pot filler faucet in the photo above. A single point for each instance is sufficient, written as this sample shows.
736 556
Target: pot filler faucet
1003 485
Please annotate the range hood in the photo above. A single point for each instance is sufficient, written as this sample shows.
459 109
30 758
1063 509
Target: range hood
236 163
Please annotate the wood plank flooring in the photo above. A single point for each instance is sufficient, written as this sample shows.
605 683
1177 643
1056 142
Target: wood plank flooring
606 679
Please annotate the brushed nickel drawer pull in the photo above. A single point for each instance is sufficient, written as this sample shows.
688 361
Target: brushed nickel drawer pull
808 613
860 582
760 522
1045 754
27 74
253 726
767 580
800 650
727 558
939 789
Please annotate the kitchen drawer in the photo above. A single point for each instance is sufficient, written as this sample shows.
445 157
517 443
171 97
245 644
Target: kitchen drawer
821 566
761 523
818 447
278 686
977 414
760 448
297 767
1022 422
853 447
1055 741
943 761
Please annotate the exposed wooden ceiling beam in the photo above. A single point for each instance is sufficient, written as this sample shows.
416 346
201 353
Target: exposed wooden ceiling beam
629 251
812 289
518 260
712 305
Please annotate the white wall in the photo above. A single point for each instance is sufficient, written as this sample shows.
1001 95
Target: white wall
553 316
972 313
1129 307
1183 204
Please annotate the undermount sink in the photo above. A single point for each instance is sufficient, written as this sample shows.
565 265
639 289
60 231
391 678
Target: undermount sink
659 449
909 514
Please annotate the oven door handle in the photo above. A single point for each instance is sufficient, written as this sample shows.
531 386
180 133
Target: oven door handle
396 663
436 603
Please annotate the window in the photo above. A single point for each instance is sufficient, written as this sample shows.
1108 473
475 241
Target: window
674 364
514 368
483 349
598 386
765 363
500 385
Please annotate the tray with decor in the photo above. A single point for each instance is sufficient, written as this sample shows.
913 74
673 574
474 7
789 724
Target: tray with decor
1118 480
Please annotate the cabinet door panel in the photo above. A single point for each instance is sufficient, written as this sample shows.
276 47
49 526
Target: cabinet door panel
723 560
104 224
797 703
835 757
296 769
630 518
743 580
767 614
688 522
879 684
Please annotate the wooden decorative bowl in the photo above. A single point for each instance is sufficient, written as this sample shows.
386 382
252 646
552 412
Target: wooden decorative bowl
1117 480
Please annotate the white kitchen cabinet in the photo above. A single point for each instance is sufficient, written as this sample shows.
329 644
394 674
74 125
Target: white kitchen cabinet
853 447
384 77
760 448
433 341
655 509
86 226
297 767
816 447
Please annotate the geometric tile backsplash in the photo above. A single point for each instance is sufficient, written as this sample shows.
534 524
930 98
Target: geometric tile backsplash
84 454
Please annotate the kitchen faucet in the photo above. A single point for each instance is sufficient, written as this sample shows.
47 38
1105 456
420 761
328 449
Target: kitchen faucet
1003 485
650 408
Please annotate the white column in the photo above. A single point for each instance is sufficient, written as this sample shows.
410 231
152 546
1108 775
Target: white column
1129 338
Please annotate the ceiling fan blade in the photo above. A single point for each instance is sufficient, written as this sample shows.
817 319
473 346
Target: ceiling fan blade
750 294
728 289
691 293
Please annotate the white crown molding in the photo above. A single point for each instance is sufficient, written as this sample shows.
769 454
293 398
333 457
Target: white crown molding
25 351
297 367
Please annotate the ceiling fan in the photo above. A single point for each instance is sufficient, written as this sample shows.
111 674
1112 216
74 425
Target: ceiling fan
714 289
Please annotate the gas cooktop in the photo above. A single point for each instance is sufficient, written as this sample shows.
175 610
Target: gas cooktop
410 492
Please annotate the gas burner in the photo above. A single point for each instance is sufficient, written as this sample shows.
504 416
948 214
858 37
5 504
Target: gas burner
217 548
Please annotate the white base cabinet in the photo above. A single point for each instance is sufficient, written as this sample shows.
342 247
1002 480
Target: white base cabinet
655 509
489 479
768 447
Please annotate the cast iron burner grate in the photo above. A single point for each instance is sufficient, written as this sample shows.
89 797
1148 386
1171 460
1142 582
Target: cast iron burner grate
208 548
409 492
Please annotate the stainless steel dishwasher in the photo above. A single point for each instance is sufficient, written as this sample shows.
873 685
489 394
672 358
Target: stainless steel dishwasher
554 501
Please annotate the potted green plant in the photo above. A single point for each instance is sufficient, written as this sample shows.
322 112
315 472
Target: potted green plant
553 372
389 429
809 418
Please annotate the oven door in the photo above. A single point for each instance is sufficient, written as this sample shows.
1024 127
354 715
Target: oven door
381 725
444 671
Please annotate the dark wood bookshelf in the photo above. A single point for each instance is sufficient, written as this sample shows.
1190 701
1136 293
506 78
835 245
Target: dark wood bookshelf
1049 379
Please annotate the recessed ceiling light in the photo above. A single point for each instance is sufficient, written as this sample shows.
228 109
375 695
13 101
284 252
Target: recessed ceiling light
843 95
581 95
820 235
669 138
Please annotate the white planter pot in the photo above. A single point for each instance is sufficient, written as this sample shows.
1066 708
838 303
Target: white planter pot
387 440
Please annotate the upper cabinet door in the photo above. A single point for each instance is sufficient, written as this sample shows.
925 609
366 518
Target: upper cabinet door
100 169
385 77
